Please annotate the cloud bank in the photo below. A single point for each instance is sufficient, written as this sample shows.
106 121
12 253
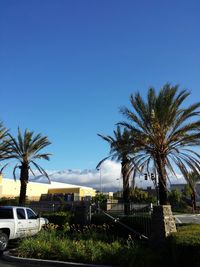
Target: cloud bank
110 176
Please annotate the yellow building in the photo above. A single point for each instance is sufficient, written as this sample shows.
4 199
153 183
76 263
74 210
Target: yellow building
10 188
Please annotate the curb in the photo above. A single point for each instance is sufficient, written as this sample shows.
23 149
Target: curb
50 263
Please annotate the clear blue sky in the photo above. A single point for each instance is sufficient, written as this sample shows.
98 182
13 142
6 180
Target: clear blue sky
67 66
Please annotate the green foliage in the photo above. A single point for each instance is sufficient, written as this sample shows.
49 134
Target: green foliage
92 244
164 133
185 246
59 218
51 245
138 195
94 232
174 197
138 222
187 191
100 219
5 201
26 149
101 198
4 147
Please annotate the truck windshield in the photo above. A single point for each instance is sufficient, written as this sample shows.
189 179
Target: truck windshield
6 213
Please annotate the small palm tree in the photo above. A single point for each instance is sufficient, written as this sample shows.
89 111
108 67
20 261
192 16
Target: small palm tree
194 178
3 144
26 150
165 133
119 150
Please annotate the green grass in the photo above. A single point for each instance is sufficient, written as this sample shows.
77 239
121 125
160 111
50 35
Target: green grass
185 246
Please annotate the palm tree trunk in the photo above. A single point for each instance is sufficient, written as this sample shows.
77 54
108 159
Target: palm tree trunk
126 189
162 180
23 180
194 204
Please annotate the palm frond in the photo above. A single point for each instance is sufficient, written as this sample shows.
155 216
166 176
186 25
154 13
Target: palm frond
41 170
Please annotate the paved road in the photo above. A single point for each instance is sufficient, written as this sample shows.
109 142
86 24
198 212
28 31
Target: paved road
187 218
7 264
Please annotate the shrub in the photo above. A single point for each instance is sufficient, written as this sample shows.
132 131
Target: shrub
6 201
50 245
94 232
59 218
185 246
138 222
100 219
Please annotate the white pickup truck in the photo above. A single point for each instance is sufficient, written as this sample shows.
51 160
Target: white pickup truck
17 222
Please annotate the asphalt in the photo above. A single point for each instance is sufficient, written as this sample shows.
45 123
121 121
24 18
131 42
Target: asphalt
9 261
7 264
187 218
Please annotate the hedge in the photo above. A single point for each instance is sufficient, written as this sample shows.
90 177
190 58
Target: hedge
185 246
59 218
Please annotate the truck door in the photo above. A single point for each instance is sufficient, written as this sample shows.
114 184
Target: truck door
33 222
21 222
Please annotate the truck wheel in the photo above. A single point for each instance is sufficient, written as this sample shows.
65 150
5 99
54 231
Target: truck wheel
3 241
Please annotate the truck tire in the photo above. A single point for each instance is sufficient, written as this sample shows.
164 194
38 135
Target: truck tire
3 241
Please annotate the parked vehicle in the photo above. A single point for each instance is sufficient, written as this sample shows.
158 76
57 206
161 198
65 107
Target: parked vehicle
18 222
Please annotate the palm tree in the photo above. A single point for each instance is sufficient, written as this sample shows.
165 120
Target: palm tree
26 150
194 178
165 133
119 150
3 144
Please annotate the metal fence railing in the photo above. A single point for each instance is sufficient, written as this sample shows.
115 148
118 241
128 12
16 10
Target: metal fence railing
138 217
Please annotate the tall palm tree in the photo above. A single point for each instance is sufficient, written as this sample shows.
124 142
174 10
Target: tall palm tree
119 150
26 149
165 133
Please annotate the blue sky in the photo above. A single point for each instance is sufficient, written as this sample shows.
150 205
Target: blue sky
67 66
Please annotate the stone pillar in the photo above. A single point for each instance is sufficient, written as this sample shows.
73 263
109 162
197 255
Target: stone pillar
163 223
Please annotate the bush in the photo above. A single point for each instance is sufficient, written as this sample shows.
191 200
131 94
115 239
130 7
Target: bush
94 232
51 245
6 201
59 218
48 245
185 246
138 222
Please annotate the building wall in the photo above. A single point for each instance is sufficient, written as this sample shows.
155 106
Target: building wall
81 191
86 191
11 188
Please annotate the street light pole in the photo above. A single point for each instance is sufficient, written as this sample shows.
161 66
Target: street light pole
99 169
100 180
118 179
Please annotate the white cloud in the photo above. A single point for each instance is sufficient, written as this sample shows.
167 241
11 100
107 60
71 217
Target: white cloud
110 172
